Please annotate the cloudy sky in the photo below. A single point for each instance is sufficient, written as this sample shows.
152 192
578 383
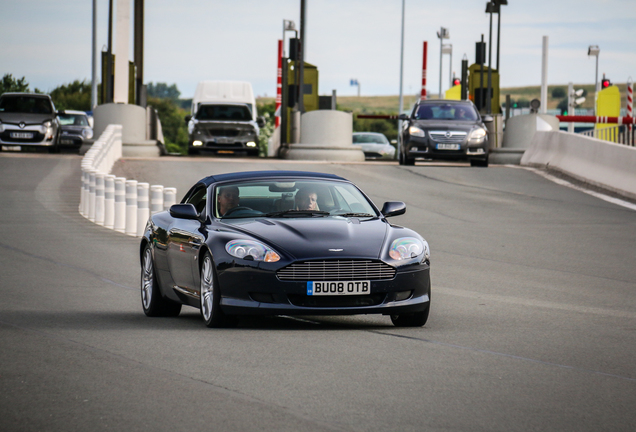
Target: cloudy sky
49 41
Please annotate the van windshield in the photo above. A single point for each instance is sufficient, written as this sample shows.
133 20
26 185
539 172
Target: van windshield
224 112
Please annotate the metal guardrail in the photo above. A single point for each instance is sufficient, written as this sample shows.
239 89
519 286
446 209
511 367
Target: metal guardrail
620 134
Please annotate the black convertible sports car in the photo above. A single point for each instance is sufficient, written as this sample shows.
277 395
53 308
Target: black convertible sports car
283 243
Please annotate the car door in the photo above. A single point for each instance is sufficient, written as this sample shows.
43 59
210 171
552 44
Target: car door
184 243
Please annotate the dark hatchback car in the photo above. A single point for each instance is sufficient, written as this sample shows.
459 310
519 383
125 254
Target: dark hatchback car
75 129
444 129
28 120
283 243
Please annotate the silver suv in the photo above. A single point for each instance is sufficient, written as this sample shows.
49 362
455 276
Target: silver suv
28 120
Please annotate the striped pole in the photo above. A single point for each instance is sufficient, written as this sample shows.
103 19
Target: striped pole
131 207
169 197
109 201
156 199
279 84
423 94
99 198
143 207
119 223
630 100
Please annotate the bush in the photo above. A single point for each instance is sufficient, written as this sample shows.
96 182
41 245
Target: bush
175 132
558 92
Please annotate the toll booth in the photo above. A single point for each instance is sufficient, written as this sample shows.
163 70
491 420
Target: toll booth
454 93
311 101
478 88
608 104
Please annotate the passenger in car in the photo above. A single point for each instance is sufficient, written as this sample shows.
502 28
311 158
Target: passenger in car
227 198
306 199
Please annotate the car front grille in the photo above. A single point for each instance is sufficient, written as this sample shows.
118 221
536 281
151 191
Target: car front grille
224 132
336 301
6 137
448 136
336 270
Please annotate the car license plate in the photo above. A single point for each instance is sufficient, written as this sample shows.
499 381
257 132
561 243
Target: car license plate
27 135
442 146
338 288
66 141
11 148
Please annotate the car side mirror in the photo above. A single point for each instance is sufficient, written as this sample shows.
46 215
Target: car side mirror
393 208
403 117
188 118
260 121
183 211
487 119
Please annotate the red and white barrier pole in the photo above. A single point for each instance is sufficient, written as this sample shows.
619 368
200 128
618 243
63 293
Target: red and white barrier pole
595 119
279 84
424 54
630 99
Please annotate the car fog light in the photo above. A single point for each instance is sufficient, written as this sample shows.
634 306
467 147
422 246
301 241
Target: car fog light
403 295
251 144
197 143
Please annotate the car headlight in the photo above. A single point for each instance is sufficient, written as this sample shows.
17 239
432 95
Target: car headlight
251 250
477 136
406 248
415 131
87 133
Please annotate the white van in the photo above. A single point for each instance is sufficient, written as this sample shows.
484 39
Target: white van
223 118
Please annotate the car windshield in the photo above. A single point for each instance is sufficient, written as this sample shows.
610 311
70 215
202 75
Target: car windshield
224 112
73 120
290 198
25 104
446 111
369 139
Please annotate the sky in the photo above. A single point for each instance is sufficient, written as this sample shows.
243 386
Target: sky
49 41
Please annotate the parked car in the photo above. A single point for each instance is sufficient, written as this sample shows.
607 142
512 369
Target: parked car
444 129
28 120
283 243
374 145
76 128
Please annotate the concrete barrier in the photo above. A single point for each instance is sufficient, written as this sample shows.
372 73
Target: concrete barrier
599 163
115 202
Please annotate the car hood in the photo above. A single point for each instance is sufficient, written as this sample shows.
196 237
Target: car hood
445 125
318 238
30 119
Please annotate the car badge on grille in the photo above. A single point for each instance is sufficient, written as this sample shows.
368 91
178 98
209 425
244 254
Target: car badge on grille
336 250
448 134
22 125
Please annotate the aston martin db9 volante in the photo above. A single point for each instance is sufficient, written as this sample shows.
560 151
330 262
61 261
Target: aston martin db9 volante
283 243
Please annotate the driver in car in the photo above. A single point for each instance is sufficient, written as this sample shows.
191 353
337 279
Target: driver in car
306 199
227 198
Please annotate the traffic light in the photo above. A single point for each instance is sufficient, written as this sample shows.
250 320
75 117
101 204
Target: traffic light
605 82
456 81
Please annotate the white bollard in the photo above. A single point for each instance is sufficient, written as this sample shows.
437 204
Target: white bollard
131 207
91 196
109 201
120 205
83 190
169 197
99 198
156 199
143 207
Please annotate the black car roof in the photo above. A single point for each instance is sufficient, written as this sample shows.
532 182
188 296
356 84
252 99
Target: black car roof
247 175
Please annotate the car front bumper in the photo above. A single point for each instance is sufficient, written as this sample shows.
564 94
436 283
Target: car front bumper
424 147
250 291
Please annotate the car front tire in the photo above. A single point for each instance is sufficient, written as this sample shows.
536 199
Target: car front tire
152 302
211 311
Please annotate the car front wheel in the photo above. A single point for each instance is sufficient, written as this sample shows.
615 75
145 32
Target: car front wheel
211 311
153 303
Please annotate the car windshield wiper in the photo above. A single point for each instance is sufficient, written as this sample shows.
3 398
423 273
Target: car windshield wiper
354 215
293 213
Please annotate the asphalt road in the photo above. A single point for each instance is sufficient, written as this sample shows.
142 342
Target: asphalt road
532 326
